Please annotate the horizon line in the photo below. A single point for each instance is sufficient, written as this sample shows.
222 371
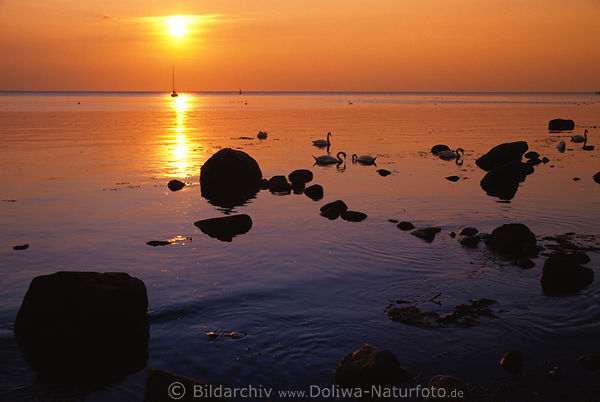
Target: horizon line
296 91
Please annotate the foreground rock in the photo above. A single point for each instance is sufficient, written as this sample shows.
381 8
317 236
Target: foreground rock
301 175
512 362
84 326
503 180
175 185
513 239
333 209
560 125
501 154
369 367
454 389
314 192
230 178
563 274
597 177
427 234
225 228
160 388
590 361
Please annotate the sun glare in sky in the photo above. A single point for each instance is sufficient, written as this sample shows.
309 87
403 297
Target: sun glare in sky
177 25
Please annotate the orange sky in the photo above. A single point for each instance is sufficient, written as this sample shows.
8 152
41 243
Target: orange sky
379 45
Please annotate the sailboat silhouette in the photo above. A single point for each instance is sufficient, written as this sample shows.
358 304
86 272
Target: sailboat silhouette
174 94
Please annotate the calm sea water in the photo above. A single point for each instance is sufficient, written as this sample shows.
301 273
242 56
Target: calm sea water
88 173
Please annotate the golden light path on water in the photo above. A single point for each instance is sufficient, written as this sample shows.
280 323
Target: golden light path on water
179 158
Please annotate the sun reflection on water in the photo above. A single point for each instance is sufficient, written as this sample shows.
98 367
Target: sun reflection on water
180 158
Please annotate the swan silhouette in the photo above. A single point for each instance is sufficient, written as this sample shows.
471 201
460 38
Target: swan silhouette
449 155
579 138
561 146
329 160
585 146
322 143
436 149
363 159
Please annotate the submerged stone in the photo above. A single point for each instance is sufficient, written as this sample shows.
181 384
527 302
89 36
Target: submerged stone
427 234
225 228
175 185
405 226
353 216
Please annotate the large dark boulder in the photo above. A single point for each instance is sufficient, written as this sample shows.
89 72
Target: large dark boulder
369 367
563 274
560 125
500 154
503 181
162 386
230 178
513 239
226 227
597 177
86 327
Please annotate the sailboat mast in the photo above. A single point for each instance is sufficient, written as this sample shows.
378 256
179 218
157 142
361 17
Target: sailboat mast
173 77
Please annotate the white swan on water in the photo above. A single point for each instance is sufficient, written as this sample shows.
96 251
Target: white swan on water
322 143
329 160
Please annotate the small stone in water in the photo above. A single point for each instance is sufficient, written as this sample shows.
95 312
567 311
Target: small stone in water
155 243
452 178
21 247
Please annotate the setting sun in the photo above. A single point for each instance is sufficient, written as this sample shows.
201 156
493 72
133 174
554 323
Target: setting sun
177 25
